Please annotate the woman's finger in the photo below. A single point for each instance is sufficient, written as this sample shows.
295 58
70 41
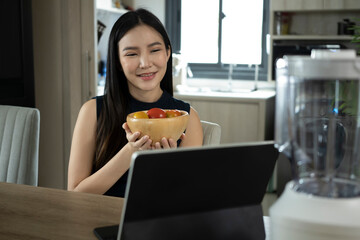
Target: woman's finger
183 136
142 141
165 143
157 145
173 143
146 145
129 134
133 137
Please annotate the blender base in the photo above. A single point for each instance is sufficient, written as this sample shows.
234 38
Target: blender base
300 216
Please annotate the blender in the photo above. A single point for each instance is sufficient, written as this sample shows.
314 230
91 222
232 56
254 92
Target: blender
317 126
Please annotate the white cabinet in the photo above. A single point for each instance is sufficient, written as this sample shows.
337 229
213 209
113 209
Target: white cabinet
342 4
291 5
243 117
310 20
304 5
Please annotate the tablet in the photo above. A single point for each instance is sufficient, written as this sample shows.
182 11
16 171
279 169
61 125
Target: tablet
210 192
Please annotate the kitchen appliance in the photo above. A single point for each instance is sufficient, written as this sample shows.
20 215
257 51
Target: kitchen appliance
318 129
179 70
287 48
346 27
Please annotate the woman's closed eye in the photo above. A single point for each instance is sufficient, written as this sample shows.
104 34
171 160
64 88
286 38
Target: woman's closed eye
156 50
130 54
133 54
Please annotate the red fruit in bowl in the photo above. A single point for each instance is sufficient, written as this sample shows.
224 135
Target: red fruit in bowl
156 113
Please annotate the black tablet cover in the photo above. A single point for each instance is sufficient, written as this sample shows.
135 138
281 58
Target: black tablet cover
212 192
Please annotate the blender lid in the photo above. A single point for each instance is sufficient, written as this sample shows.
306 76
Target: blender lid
333 54
325 64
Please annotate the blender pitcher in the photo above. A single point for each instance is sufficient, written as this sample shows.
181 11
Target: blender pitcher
318 129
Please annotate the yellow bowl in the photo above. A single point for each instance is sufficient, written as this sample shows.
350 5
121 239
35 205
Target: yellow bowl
157 128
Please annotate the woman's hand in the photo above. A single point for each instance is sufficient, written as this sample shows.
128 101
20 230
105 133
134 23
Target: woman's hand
138 144
167 143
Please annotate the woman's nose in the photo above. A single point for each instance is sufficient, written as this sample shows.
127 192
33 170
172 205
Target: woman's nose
145 62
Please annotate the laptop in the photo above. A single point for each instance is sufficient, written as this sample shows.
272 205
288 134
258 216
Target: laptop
209 192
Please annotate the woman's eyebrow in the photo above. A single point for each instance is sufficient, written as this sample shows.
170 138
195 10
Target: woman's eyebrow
134 48
154 44
129 48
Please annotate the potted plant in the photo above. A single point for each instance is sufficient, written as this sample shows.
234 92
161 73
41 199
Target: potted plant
356 37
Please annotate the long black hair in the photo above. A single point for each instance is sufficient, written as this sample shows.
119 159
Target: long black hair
110 136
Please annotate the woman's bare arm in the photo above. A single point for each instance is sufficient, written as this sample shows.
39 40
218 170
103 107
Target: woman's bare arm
83 152
194 131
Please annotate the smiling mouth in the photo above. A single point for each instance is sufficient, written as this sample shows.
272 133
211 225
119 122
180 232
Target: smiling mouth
146 74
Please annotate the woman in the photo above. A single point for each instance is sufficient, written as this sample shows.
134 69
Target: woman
139 77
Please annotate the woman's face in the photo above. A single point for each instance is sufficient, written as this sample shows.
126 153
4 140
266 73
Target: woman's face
143 58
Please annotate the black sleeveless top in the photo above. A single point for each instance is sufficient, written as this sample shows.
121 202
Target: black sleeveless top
166 101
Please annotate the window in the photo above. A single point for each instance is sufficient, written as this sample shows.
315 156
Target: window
212 34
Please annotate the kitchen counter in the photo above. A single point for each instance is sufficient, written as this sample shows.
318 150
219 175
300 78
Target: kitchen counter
243 116
225 96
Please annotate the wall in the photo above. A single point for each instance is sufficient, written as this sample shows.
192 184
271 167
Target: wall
157 7
48 76
63 38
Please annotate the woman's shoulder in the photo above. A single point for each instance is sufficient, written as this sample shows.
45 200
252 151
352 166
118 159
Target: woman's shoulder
87 116
88 108
89 103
